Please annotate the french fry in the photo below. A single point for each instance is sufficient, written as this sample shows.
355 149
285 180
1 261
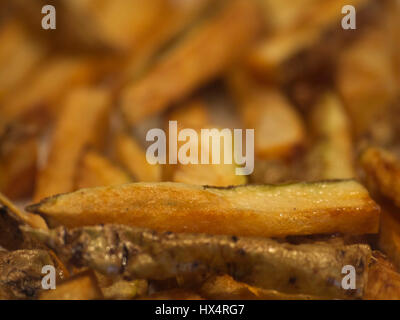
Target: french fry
82 122
311 269
131 155
331 156
383 280
200 57
195 115
19 55
273 58
226 288
42 93
366 78
382 171
278 128
266 211
82 286
95 170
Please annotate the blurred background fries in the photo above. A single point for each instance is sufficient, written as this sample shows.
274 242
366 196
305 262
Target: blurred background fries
76 104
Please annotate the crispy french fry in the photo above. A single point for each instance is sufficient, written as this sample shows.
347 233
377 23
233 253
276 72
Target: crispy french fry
268 211
131 155
382 171
201 56
195 115
389 234
383 280
226 288
82 286
43 91
82 122
95 170
279 129
332 154
19 55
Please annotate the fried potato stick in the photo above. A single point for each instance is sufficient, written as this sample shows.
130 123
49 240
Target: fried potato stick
278 128
95 170
314 269
131 155
82 122
203 54
331 156
382 171
265 210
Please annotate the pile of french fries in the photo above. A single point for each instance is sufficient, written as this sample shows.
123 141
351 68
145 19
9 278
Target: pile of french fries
77 191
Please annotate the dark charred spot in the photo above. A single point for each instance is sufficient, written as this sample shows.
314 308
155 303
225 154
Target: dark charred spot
292 280
77 251
242 252
235 239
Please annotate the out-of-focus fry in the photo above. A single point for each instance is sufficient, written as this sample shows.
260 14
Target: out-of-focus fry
18 168
268 211
195 115
226 288
19 55
383 280
82 286
82 122
95 170
201 56
366 78
272 57
279 129
331 156
389 233
382 171
42 93
131 155
122 290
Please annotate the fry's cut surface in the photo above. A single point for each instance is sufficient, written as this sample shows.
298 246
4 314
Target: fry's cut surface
269 211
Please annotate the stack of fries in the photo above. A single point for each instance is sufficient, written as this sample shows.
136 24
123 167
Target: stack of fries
77 190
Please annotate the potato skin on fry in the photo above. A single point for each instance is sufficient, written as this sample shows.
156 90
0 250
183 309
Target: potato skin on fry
314 269
268 210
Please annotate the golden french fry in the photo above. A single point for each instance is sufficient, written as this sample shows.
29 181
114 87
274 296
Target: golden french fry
82 122
366 78
331 156
226 288
95 170
272 58
382 171
82 286
278 128
19 55
42 93
200 57
173 294
195 115
131 155
267 211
